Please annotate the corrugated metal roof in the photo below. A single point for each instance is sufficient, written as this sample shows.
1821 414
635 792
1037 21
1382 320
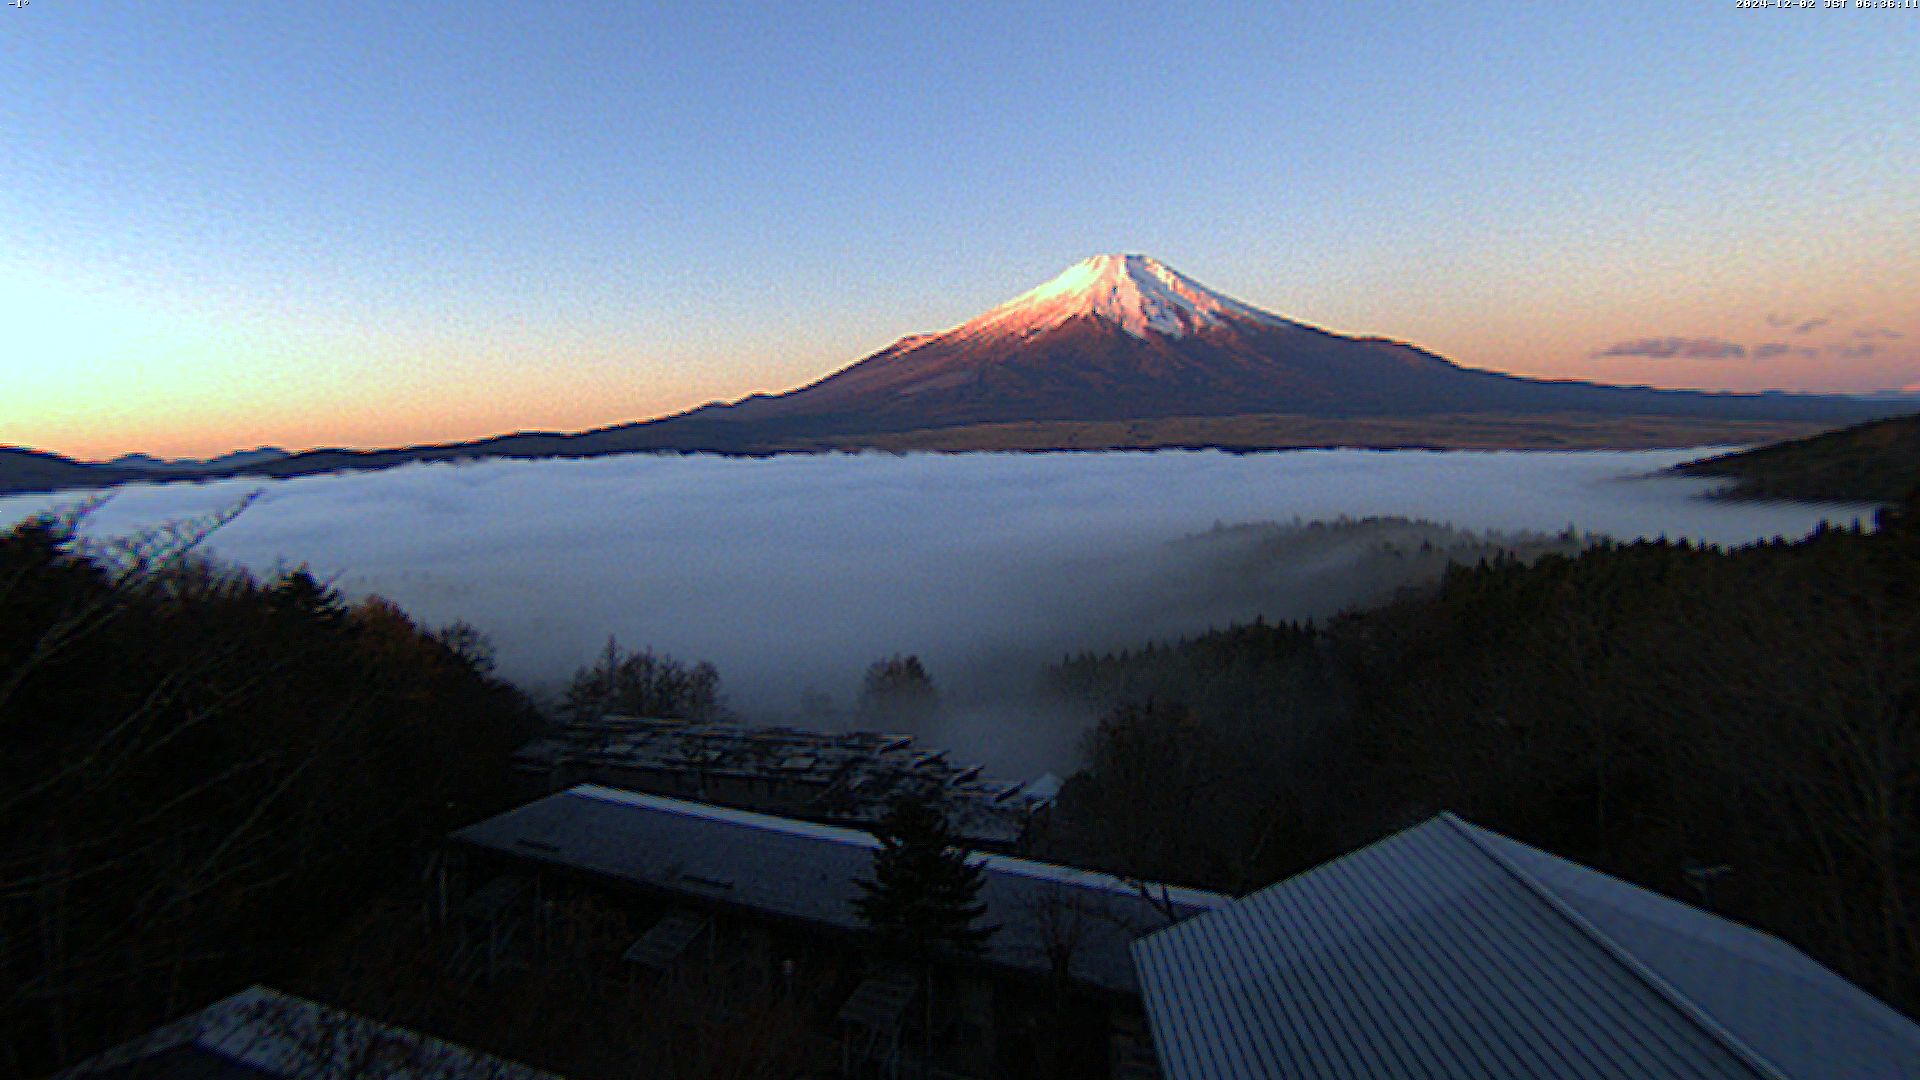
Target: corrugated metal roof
802 870
1798 1015
1449 951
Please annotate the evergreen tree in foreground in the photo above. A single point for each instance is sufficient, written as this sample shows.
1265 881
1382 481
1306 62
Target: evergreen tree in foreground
923 897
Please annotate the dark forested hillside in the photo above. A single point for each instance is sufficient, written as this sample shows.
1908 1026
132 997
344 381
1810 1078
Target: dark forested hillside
1737 729
205 772
1878 461
1210 759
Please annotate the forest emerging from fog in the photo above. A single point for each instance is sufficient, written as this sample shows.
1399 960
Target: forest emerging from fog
208 770
1738 729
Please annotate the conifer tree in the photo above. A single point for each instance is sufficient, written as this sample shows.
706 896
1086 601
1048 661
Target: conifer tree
300 596
923 899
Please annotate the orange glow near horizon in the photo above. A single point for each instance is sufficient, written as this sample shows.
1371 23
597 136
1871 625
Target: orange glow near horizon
119 371
167 437
373 405
116 371
421 224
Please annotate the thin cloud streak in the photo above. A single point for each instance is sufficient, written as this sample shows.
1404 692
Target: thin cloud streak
1672 348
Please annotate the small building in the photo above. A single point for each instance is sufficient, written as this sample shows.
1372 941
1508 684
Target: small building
1447 950
260 1033
773 898
835 778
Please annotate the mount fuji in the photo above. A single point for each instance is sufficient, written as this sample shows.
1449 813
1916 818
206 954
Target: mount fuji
1121 351
1126 338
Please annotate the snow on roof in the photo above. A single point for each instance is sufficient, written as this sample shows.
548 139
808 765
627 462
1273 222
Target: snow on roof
1044 788
262 1032
845 777
1448 950
802 870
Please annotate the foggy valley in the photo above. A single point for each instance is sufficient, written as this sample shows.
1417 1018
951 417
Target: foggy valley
791 574
957 542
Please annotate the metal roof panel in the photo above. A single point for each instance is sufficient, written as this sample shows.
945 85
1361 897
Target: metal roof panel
1423 955
802 870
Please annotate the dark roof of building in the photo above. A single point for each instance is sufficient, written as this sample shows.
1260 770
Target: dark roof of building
1447 950
261 1033
848 777
804 871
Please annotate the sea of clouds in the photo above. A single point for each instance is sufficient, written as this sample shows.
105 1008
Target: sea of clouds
793 573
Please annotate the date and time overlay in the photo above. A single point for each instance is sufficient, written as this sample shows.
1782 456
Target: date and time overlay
1827 5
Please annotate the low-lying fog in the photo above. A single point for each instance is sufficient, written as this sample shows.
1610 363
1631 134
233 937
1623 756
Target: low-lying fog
794 573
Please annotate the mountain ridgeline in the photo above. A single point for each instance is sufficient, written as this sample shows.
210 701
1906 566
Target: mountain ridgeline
1126 337
1872 462
1119 351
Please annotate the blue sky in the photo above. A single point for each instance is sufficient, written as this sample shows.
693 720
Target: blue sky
375 223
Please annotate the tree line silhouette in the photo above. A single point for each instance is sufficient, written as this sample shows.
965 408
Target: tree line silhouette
205 772
208 771
1739 729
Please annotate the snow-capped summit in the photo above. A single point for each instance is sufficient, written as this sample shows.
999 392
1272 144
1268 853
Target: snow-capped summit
1127 338
1112 337
1137 293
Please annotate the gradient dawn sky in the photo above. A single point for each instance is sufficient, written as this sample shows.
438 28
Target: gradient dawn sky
374 223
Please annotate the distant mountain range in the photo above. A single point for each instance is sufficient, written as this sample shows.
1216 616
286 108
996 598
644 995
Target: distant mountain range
1119 351
186 466
24 470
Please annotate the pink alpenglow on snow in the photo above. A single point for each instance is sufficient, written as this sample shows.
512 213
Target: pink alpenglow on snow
1138 293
